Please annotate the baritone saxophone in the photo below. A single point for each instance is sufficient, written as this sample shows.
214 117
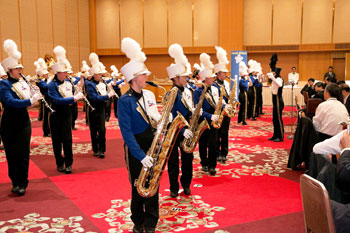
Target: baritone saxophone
189 144
148 181
218 110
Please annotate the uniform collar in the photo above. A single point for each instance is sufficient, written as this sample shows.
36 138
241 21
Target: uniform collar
180 88
135 94
12 80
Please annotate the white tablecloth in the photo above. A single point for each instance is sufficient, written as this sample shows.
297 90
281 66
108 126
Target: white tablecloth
287 96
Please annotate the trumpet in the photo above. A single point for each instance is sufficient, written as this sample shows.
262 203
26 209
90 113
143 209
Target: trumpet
36 90
78 89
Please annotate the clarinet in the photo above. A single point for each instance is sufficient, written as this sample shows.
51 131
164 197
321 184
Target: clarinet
79 90
42 97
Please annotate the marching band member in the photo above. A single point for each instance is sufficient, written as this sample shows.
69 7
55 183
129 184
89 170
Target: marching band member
258 88
178 74
252 90
3 75
42 83
220 83
15 128
87 77
136 109
116 87
278 105
208 140
244 83
61 94
97 95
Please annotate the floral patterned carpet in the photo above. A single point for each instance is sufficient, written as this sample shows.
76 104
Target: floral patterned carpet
252 192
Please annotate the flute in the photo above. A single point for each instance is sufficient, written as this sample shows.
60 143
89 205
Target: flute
78 89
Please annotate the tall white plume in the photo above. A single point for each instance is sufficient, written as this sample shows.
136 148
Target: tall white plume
132 50
221 55
176 52
197 67
93 58
60 53
115 71
205 61
10 48
42 64
85 67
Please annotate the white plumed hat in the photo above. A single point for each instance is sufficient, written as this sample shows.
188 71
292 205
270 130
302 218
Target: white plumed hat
207 67
61 65
2 71
136 65
115 72
221 55
96 67
179 68
40 67
243 69
11 62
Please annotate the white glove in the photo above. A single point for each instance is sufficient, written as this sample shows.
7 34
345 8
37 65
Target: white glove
201 112
170 117
110 94
188 133
214 117
147 161
193 109
78 96
35 98
228 107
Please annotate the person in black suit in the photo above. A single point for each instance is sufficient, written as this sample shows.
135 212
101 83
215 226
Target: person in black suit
330 75
341 212
345 91
319 91
309 87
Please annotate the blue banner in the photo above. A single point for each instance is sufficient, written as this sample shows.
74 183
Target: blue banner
236 58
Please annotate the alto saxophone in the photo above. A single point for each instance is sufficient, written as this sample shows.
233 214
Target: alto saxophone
148 181
234 103
189 144
217 124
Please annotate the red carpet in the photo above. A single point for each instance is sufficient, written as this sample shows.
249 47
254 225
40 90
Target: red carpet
252 192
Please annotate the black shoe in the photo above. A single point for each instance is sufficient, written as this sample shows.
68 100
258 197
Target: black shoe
219 158
47 135
74 128
205 168
69 170
253 119
101 155
14 189
278 140
224 159
212 171
1 147
61 169
271 139
187 191
21 191
137 229
244 123
96 154
150 230
173 194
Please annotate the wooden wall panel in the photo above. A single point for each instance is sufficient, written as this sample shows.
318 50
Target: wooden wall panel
132 26
286 21
107 24
72 34
44 20
59 23
9 24
180 22
314 65
257 22
206 22
317 21
155 23
29 33
84 32
341 21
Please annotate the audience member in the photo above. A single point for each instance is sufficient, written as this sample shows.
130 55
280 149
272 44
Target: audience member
309 87
330 74
329 113
345 91
319 91
293 77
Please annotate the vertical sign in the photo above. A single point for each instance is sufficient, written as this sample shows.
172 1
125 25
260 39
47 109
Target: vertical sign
236 58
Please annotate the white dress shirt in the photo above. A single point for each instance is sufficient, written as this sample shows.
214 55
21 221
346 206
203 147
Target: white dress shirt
293 77
329 146
276 83
328 116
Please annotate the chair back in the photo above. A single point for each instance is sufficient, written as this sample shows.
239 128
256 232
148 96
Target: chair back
311 106
317 210
306 96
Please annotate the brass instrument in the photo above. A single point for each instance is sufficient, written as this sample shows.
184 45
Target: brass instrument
78 89
36 90
162 144
188 145
110 89
234 103
217 124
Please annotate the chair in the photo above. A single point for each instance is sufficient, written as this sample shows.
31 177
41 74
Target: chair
317 211
306 96
311 106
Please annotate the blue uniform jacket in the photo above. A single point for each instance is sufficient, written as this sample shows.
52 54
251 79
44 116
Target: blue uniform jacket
206 106
92 93
131 123
43 86
181 108
243 84
9 97
55 95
